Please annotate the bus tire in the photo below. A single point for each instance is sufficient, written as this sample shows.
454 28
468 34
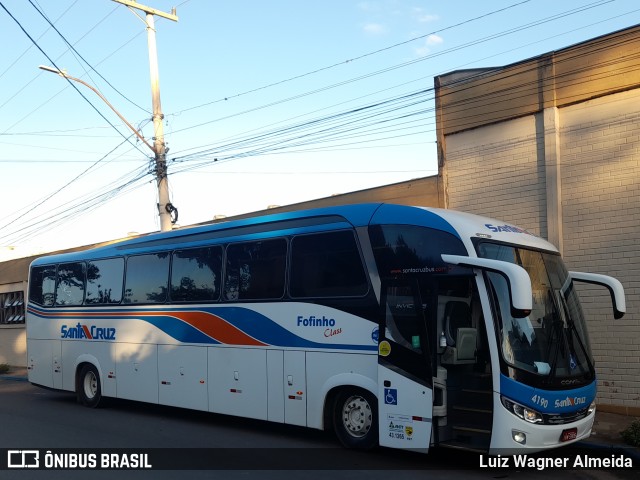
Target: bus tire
355 418
88 390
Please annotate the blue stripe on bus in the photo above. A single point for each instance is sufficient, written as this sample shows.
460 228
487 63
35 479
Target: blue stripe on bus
266 330
351 215
248 321
548 401
398 214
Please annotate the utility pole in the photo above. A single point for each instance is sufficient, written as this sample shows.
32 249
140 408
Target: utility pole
165 208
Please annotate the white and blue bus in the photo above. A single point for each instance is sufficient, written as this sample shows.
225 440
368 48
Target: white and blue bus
406 327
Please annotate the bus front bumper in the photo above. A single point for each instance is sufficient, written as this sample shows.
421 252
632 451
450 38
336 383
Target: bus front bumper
512 435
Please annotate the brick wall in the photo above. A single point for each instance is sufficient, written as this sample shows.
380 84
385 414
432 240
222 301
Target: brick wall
498 170
600 148
495 171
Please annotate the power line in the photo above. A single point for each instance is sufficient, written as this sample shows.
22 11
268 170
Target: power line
408 82
407 63
73 49
278 144
31 46
70 82
351 60
51 195
365 110
49 161
24 117
72 209
276 148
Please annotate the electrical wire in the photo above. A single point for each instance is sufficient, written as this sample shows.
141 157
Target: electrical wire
321 136
51 195
558 81
31 46
414 80
404 64
70 81
75 52
345 116
351 60
47 220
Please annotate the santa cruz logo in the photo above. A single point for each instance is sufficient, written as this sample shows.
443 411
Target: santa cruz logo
90 333
570 402
506 228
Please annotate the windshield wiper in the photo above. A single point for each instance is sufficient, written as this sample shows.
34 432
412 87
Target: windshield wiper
556 331
572 328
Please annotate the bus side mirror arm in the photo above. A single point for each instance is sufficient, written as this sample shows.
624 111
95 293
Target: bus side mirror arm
613 285
517 278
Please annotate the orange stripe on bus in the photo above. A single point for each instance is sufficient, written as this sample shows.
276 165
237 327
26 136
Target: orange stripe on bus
217 328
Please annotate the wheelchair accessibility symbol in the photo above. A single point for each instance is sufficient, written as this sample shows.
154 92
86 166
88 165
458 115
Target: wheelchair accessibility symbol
391 396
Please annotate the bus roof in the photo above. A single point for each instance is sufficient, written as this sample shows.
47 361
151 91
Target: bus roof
462 225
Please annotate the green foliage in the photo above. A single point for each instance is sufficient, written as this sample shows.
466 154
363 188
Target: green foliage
631 434
4 368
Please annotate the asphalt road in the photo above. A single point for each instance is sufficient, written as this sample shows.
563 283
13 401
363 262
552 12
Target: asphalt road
35 418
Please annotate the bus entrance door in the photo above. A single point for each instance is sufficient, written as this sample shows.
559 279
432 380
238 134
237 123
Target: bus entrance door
405 391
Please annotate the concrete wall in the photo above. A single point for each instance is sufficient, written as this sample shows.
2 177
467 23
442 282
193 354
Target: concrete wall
13 346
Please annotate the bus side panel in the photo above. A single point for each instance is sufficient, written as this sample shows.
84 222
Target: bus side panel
238 381
99 354
295 409
182 371
326 370
275 386
137 371
40 365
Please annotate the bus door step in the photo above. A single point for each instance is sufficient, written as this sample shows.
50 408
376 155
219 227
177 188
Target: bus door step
471 437
463 446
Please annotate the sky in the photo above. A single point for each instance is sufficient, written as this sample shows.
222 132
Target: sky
264 103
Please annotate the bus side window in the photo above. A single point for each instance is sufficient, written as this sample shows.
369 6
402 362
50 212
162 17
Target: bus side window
42 282
256 270
70 283
147 278
104 281
196 274
326 265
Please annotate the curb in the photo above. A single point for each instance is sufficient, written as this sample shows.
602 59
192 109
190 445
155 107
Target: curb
18 376
15 378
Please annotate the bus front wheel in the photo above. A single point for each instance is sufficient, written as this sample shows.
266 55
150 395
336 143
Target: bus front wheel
88 388
355 419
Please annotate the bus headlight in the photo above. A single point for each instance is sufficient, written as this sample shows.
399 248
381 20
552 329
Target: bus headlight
592 408
525 413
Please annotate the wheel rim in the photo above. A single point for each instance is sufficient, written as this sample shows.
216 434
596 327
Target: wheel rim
357 416
90 385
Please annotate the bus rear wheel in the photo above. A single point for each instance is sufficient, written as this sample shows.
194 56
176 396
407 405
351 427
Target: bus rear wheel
355 419
88 387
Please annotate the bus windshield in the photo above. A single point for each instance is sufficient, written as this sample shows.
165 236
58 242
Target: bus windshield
552 341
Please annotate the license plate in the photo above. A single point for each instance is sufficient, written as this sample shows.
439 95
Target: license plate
569 434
